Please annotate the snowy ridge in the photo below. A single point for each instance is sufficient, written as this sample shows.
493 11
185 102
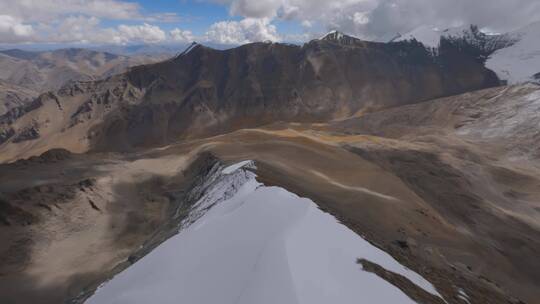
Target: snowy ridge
486 42
220 185
255 244
339 37
188 49
429 36
332 35
235 167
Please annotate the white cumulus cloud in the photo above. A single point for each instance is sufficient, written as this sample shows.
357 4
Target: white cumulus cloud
13 30
81 29
142 33
244 31
49 10
79 21
373 19
179 35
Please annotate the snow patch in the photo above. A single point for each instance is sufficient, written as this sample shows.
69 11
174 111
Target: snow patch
230 169
188 49
429 36
463 296
334 35
255 244
355 188
337 36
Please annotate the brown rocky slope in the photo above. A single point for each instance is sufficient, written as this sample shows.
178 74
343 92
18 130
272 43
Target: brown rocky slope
206 91
463 213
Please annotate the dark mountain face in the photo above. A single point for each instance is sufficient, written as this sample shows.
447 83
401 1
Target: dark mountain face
475 43
207 91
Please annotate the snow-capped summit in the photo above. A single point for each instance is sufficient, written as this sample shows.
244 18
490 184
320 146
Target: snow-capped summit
332 35
519 62
429 36
514 56
189 49
339 37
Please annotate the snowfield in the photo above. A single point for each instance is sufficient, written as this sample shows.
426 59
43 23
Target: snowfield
431 36
261 245
519 62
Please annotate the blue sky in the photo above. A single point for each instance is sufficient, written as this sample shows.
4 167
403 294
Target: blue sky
198 16
124 22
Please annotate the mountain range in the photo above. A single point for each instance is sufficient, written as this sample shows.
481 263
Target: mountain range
37 72
206 91
400 170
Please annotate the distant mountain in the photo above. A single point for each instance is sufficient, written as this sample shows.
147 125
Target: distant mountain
264 156
20 54
514 56
429 36
471 34
25 74
43 71
141 49
153 49
521 61
205 91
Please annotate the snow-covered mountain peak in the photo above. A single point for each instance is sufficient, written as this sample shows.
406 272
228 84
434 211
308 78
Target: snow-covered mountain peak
338 37
430 36
514 56
332 35
519 62
190 48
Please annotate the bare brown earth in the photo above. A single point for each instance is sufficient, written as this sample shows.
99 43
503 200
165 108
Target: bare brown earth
450 188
